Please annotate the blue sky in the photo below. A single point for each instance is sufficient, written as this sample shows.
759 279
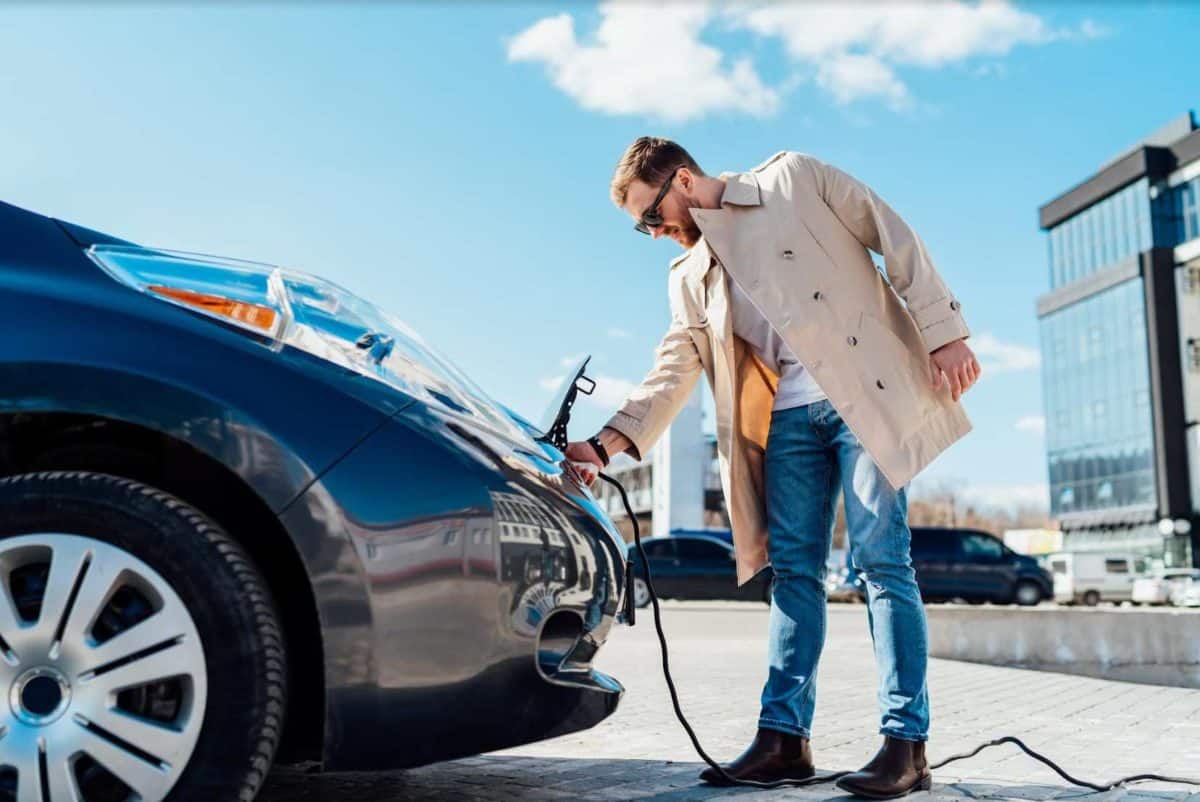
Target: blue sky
451 161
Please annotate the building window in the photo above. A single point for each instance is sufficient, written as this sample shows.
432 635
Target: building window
1191 279
1189 209
1099 444
1105 233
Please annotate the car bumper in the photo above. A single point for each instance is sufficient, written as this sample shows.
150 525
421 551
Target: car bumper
463 591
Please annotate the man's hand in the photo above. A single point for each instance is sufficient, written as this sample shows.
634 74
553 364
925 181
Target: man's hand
586 460
958 363
581 450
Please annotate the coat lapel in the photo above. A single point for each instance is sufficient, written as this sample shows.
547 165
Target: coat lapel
729 233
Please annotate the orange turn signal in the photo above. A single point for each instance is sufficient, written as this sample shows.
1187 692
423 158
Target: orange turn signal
259 317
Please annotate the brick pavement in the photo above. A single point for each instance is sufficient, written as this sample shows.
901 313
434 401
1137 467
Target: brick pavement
1096 729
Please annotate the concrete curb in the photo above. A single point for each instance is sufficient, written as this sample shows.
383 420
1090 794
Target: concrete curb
1155 646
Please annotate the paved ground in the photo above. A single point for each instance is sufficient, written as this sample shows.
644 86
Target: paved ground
1096 729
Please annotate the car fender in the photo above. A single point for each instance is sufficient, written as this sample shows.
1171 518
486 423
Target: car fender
278 461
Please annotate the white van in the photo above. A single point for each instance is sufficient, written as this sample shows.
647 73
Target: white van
1092 577
1159 587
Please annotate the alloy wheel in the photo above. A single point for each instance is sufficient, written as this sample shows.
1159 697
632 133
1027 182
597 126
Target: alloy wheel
1028 594
641 592
102 672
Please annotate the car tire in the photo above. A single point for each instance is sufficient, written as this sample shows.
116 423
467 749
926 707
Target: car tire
1091 598
641 592
1027 594
206 697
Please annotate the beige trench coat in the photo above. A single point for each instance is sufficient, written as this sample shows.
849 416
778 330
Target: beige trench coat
794 233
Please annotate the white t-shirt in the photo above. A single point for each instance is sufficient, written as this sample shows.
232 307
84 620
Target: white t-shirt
796 385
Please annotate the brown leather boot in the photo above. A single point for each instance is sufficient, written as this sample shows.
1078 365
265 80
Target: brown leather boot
772 755
898 768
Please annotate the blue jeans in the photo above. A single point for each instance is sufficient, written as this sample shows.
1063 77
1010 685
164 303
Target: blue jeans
811 458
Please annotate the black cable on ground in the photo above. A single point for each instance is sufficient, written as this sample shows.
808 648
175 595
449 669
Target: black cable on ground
824 778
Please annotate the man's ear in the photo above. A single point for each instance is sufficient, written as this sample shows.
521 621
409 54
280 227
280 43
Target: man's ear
686 179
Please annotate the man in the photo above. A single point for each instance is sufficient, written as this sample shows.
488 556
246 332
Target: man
825 383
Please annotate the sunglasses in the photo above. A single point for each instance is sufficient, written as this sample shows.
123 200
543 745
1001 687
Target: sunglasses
651 217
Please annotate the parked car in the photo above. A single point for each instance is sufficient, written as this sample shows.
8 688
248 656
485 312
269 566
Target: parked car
693 567
958 564
1159 588
246 515
719 533
974 566
1092 577
1186 592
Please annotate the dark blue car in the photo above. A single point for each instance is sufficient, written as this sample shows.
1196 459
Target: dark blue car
694 566
248 516
971 565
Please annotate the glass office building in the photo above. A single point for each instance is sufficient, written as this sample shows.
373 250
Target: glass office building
1120 340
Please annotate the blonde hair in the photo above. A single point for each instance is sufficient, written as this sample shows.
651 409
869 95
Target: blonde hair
649 159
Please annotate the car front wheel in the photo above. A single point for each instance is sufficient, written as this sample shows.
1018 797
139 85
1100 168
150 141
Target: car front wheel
641 592
1027 594
140 653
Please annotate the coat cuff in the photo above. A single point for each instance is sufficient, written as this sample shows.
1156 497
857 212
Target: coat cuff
631 427
940 322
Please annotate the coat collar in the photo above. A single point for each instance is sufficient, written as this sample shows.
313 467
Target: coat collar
741 189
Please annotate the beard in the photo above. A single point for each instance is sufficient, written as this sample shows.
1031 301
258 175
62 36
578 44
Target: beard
690 233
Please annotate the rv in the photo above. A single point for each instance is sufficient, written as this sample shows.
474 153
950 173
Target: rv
1092 577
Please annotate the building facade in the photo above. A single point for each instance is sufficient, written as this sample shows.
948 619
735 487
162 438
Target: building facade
678 487
1120 340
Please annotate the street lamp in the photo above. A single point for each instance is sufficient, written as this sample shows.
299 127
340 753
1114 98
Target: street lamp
1179 526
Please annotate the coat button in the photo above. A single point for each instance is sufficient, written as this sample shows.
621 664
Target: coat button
787 254
879 384
852 340
817 295
954 305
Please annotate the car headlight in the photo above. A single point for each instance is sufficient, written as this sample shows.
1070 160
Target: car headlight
237 292
295 309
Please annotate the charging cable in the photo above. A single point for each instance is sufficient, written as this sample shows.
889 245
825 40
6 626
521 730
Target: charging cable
821 778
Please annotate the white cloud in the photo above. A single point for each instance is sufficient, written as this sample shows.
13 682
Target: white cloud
644 59
1006 496
609 394
571 360
1031 423
1090 29
983 497
1000 357
619 334
649 59
927 34
849 77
